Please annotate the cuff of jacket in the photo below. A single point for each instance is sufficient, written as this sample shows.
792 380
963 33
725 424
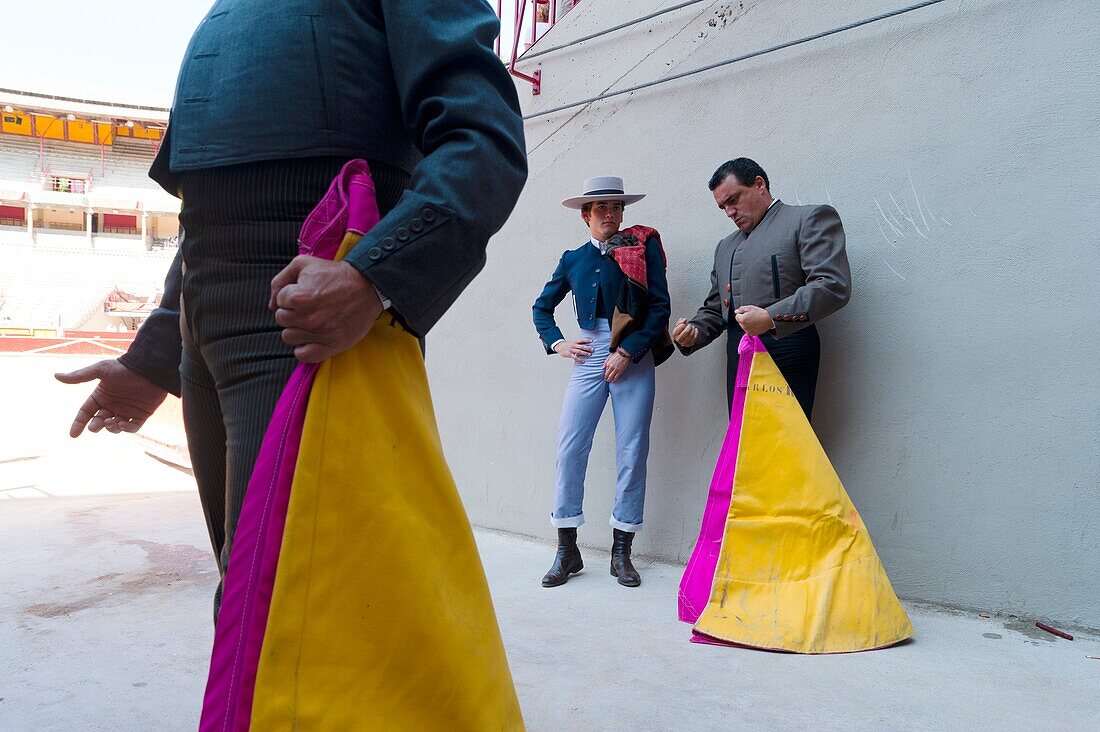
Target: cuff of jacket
386 302
420 280
158 367
787 322
550 340
637 352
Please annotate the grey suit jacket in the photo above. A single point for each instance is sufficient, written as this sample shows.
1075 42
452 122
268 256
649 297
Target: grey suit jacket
793 265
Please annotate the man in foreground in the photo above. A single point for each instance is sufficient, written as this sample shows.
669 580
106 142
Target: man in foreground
271 102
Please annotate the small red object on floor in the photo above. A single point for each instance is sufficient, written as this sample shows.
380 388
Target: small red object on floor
1055 631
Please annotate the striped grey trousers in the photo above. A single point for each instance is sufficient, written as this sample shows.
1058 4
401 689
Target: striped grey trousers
241 227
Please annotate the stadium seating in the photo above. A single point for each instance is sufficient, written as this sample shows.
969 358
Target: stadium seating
58 272
124 164
57 288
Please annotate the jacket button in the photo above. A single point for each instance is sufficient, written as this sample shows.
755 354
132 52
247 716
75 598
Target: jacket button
595 285
428 215
727 288
375 253
726 302
597 270
417 226
388 243
402 234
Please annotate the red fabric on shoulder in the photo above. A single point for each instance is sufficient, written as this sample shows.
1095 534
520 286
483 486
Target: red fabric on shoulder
631 259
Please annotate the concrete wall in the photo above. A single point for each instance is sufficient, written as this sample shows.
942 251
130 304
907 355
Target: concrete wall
959 397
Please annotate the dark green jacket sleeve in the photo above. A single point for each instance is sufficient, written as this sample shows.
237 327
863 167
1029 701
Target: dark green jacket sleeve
461 106
158 346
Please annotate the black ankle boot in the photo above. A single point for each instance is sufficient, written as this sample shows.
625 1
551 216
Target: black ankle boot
621 565
566 562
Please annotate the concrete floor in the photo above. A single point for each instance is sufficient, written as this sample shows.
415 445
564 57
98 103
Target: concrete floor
107 575
104 625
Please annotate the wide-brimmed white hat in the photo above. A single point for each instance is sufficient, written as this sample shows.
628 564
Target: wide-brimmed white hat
603 188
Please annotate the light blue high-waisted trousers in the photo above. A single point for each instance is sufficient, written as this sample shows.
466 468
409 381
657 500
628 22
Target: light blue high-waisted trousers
585 397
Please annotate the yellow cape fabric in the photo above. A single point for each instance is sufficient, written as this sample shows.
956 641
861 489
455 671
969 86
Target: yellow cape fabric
381 617
797 569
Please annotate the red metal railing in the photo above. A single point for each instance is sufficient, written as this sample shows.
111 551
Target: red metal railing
520 13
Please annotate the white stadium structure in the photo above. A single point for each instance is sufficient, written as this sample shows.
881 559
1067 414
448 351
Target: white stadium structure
85 236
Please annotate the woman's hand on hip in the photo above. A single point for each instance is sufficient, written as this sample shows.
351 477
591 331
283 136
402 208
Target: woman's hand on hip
615 365
575 350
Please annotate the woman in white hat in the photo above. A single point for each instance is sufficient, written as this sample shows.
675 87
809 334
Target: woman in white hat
621 296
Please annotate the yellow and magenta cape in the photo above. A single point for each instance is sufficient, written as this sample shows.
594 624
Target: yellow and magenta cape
783 560
355 598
